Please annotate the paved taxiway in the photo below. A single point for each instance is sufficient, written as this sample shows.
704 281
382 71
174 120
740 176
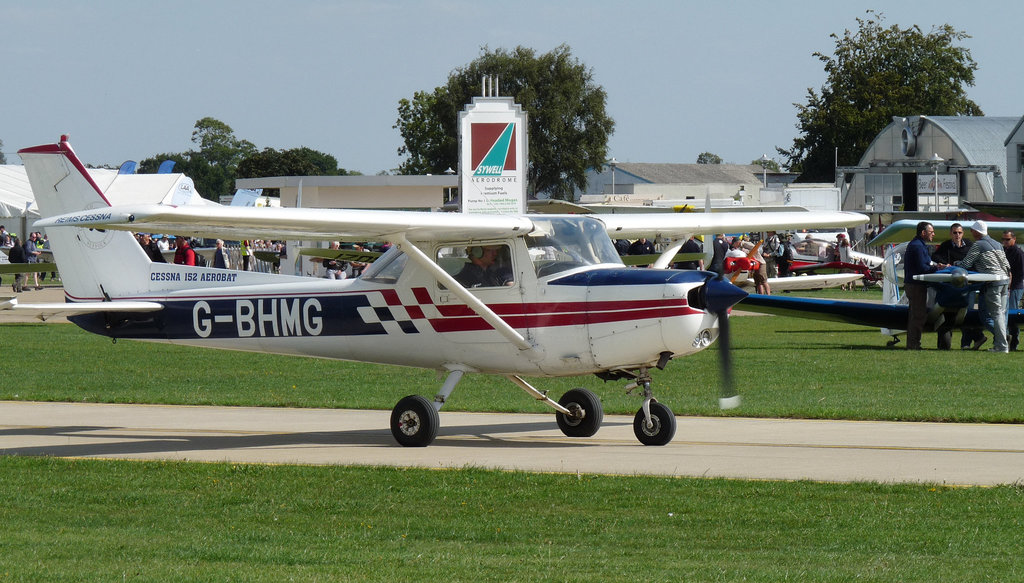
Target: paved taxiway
954 453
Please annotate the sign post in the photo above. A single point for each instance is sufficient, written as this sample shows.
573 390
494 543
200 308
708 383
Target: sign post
493 154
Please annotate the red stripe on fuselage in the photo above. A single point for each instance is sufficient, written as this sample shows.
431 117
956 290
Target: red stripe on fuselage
549 320
516 309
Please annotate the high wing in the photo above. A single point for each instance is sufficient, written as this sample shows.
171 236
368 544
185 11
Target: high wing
682 225
373 225
906 229
294 223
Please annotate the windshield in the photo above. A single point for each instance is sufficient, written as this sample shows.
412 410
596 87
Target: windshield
558 244
387 268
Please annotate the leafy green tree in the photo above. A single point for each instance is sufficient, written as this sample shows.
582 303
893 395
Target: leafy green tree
708 158
218 145
877 73
152 164
294 162
567 120
212 167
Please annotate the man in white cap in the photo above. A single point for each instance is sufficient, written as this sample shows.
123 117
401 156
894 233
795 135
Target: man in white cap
987 256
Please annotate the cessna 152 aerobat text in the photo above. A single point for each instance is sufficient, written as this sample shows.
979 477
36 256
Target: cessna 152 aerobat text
555 299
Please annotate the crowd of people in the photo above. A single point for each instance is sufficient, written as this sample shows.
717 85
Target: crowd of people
770 257
981 253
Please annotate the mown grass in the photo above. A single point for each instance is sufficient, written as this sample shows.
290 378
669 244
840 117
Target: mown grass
784 367
83 520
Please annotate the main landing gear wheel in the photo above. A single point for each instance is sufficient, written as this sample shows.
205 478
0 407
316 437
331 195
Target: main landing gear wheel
414 422
661 429
587 413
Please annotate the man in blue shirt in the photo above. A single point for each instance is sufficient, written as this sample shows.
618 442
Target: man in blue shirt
918 260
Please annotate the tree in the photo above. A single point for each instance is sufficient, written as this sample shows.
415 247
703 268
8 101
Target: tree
3 159
708 158
877 73
218 145
567 122
294 162
212 167
152 164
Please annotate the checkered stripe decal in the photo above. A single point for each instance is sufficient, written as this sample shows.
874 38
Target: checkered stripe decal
387 310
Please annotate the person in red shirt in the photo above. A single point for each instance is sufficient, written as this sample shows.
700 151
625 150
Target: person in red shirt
183 252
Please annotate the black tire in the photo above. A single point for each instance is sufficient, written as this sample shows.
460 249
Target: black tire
414 422
592 413
663 429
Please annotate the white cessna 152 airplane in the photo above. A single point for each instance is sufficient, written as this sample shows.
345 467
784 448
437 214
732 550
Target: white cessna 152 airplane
555 299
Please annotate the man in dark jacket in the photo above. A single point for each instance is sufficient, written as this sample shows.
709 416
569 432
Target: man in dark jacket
692 245
720 248
151 248
1015 256
951 251
918 261
17 255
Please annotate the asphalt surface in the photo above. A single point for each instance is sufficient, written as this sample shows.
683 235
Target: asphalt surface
834 451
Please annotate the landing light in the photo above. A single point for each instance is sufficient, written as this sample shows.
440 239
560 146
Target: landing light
703 339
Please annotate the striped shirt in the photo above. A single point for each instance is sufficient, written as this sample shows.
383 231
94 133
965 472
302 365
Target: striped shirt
986 256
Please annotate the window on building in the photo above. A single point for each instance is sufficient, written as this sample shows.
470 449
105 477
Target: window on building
883 192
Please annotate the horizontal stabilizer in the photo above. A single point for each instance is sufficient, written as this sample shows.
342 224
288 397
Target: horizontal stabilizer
51 310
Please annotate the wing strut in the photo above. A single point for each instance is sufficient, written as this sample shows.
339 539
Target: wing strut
666 257
463 294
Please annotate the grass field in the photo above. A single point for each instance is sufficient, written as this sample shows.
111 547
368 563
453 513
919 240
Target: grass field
81 520
145 521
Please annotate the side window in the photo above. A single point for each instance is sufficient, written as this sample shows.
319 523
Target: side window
488 265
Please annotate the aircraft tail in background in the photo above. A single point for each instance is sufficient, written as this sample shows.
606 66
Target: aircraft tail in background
94 264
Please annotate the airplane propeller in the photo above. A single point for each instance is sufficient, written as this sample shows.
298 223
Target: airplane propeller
722 295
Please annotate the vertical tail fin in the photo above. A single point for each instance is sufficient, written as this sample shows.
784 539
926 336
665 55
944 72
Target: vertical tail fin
93 264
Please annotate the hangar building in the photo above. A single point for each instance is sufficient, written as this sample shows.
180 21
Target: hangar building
932 164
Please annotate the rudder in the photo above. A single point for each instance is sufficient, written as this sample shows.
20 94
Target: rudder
94 264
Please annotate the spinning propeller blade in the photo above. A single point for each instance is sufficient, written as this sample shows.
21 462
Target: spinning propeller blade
728 398
722 295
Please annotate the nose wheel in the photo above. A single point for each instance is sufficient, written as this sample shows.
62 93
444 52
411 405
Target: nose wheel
655 424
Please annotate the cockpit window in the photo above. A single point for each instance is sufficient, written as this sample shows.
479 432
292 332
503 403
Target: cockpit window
478 265
559 244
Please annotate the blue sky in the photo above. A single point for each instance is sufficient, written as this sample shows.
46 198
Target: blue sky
128 79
